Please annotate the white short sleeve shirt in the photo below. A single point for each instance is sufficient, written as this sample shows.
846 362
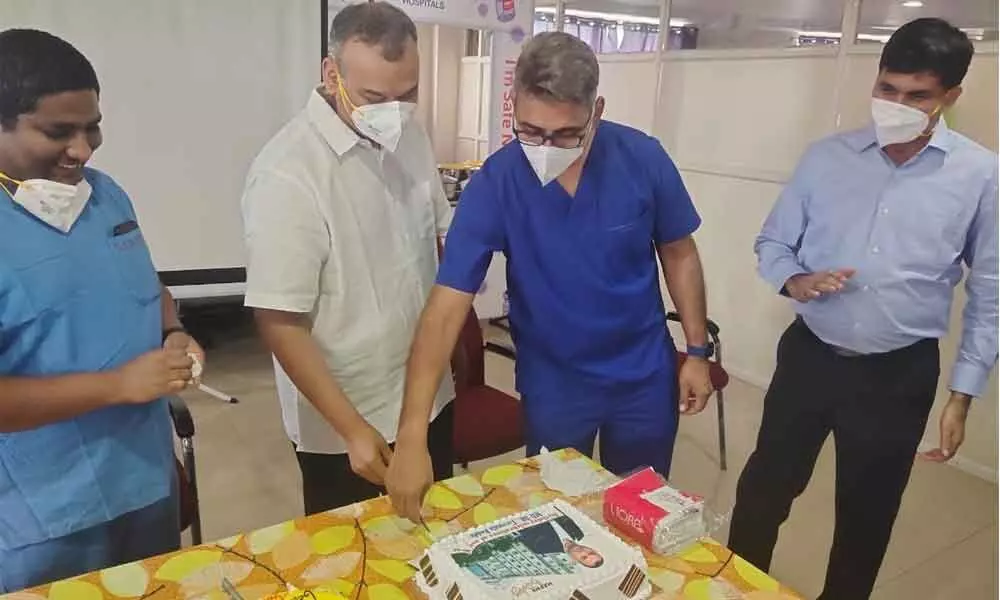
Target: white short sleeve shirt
345 232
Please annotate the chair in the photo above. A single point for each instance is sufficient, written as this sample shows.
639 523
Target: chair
487 421
186 471
719 377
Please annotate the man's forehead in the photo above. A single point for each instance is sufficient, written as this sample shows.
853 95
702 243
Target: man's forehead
78 107
549 115
356 53
911 81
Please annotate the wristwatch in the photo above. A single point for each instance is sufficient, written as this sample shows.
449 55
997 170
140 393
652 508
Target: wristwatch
706 351
169 331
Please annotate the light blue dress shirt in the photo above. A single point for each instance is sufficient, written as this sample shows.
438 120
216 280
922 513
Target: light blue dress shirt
85 301
907 230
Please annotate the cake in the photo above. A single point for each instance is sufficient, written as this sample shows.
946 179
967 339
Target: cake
550 552
297 594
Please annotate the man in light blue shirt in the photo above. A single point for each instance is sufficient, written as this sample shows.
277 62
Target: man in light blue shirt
869 239
87 476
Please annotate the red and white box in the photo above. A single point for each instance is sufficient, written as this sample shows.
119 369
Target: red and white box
646 509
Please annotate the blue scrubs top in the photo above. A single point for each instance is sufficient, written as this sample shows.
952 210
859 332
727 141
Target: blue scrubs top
586 312
85 301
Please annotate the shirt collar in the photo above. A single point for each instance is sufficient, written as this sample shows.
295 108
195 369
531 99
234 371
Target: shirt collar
337 134
864 139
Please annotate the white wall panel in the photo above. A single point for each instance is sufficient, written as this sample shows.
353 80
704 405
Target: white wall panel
469 98
629 87
189 98
750 116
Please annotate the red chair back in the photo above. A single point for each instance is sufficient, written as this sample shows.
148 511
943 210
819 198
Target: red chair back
468 361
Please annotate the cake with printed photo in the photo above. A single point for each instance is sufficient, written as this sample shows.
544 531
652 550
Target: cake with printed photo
553 551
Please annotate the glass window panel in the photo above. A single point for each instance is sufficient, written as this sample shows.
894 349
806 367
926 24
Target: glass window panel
731 24
545 16
609 27
879 18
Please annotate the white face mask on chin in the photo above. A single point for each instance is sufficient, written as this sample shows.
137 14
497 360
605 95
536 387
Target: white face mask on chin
549 162
59 205
383 123
897 123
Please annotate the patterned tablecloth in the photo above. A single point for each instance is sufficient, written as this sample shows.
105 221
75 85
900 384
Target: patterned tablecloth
363 552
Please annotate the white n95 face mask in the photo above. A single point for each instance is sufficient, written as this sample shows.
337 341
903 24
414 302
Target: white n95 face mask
549 162
383 123
57 204
897 123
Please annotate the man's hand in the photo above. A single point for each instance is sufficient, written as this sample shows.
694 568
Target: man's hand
369 453
410 475
180 340
806 287
952 429
153 375
695 385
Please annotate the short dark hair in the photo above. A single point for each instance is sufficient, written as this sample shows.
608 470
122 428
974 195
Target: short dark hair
929 45
376 24
34 64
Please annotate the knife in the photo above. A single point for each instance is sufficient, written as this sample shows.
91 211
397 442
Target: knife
230 590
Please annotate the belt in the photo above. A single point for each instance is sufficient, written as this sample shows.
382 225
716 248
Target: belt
839 351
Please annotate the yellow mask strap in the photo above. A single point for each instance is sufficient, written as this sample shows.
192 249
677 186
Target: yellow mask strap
3 178
342 92
934 113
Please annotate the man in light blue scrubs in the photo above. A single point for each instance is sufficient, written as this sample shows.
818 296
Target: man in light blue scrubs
581 208
89 339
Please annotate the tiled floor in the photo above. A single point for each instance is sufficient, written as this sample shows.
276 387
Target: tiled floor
944 547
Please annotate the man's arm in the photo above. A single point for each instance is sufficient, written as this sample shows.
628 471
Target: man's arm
287 335
475 235
777 245
287 245
675 220
31 402
686 284
977 352
437 333
168 309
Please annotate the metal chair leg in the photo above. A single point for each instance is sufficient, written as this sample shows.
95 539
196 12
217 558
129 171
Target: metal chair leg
187 446
719 403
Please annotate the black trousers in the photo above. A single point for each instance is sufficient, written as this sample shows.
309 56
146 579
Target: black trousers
876 407
328 481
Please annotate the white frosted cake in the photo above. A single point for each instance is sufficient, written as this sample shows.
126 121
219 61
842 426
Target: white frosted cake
550 552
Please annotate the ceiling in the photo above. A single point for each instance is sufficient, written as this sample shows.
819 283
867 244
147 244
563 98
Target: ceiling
878 17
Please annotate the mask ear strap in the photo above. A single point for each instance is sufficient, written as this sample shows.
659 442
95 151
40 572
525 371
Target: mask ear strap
937 112
5 178
342 92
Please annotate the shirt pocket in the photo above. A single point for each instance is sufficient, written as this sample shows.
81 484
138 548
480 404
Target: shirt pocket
50 283
935 227
626 247
131 260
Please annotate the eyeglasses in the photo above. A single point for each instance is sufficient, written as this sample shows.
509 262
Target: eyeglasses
559 140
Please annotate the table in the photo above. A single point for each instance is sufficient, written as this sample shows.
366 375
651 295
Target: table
363 552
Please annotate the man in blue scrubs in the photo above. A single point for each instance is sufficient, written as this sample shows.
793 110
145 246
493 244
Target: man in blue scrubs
581 208
89 339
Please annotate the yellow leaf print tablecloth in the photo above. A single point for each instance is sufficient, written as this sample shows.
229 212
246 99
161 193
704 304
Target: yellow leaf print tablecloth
363 552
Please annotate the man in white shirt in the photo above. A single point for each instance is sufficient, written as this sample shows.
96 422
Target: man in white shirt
343 210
